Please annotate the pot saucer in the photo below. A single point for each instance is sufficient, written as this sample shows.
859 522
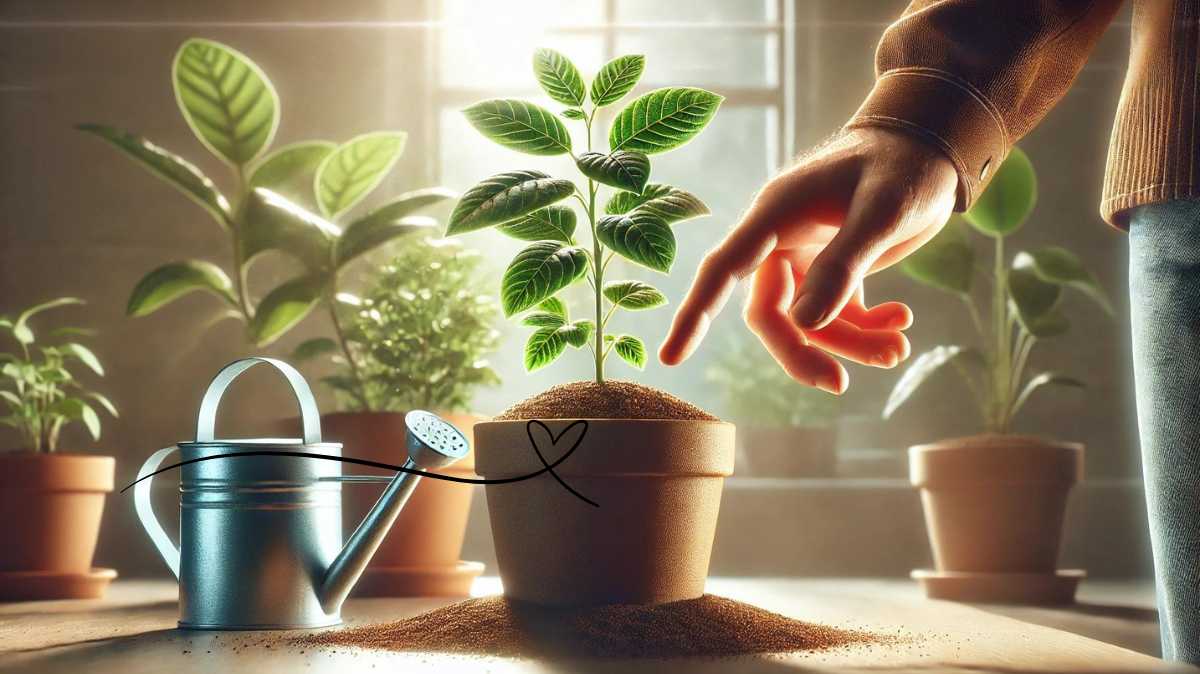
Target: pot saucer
40 585
1001 588
452 580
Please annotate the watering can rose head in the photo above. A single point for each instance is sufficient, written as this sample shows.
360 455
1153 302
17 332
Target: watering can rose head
635 222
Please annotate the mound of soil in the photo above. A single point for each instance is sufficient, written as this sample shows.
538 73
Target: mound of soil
610 400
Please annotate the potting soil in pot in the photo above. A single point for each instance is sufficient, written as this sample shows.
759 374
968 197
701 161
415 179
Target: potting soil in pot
495 626
610 400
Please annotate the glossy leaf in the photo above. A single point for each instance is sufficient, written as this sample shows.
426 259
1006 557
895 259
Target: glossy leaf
506 196
631 350
537 272
1008 199
923 367
553 223
578 333
573 113
314 348
84 355
227 100
356 168
170 168
670 204
520 125
555 306
634 295
640 237
543 319
616 78
663 119
1054 264
272 222
364 236
560 79
626 170
1040 380
1035 303
290 170
172 281
946 262
543 347
284 307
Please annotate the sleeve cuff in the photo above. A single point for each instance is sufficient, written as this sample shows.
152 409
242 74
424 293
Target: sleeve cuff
947 112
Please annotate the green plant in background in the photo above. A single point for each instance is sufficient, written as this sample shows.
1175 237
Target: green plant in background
39 391
420 335
1025 297
232 108
758 393
637 219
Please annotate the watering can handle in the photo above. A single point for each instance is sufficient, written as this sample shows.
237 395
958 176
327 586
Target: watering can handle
145 512
309 416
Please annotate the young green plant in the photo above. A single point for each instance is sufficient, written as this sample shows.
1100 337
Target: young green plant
637 219
1025 296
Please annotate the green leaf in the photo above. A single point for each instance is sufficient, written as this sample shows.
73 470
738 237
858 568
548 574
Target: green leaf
634 295
543 347
616 78
553 223
554 306
1008 200
506 196
578 333
670 204
1035 303
631 350
14 403
77 410
170 168
171 281
313 348
356 168
21 330
640 237
290 170
519 125
946 262
284 307
105 403
1060 266
226 99
543 319
539 271
626 170
923 367
1040 380
560 79
364 236
84 355
272 222
663 119
573 113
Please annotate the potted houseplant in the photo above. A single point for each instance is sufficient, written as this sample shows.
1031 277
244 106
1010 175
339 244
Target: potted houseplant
50 501
994 503
653 464
418 338
785 429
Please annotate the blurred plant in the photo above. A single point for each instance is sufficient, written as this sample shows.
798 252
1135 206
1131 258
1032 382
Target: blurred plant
420 334
40 392
1025 300
524 204
758 393
231 106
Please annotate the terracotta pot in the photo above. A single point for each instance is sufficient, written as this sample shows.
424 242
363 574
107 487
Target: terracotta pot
658 485
50 508
420 556
789 452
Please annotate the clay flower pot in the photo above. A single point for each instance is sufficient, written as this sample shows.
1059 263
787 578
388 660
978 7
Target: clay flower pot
994 508
657 484
50 508
420 556
789 452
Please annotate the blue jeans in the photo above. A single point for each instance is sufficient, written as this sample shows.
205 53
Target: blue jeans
1164 290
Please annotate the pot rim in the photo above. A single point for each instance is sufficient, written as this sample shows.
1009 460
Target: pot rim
995 459
57 471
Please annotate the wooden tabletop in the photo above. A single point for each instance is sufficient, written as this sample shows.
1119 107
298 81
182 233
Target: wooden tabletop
133 630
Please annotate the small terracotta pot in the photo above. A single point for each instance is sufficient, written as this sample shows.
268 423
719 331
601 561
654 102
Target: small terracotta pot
789 452
420 555
657 484
50 509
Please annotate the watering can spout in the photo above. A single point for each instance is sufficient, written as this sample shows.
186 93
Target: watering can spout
432 443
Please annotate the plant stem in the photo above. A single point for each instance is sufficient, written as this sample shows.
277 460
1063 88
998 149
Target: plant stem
1002 358
239 271
360 387
597 263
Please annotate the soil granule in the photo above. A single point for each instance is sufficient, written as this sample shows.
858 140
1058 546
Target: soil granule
495 626
610 400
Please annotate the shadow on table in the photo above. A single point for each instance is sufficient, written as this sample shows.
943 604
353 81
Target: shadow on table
1132 627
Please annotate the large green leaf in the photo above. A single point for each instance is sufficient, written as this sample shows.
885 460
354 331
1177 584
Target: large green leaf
226 99
946 262
506 196
272 222
640 237
578 333
634 295
169 167
631 350
560 79
537 272
313 348
663 119
172 281
923 367
670 204
520 125
543 319
284 307
555 306
20 328
290 170
1039 380
364 236
1054 264
1035 303
626 170
350 172
1008 200
543 347
616 79
553 223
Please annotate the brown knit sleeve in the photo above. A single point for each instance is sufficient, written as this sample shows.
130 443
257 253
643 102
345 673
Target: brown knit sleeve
974 76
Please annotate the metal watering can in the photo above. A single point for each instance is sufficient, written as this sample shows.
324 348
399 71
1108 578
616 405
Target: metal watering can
260 537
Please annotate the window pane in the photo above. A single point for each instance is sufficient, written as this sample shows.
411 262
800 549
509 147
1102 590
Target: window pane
695 11
494 59
704 57
509 14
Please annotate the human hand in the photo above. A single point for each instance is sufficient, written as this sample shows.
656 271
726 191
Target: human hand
854 206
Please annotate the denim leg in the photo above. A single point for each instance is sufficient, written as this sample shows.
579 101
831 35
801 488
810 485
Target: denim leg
1164 290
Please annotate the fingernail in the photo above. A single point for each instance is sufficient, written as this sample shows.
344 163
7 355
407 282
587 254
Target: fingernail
804 313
